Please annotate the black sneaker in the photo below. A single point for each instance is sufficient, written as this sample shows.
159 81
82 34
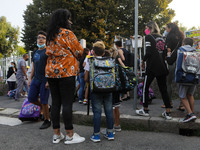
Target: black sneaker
45 124
189 117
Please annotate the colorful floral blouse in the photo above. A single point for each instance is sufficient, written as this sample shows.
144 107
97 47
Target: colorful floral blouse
63 53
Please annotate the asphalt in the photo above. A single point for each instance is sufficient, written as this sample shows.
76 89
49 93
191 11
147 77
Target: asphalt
129 120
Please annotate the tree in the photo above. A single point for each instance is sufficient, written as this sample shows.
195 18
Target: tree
8 37
92 19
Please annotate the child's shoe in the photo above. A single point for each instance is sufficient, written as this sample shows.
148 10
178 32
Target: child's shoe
85 101
95 138
109 135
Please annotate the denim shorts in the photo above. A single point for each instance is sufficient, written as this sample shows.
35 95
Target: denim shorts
37 88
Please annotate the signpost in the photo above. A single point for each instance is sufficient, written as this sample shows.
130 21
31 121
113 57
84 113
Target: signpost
136 51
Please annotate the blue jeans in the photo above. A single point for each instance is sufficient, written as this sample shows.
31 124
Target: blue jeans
82 85
99 99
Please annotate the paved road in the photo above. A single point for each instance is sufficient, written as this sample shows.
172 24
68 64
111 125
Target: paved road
27 136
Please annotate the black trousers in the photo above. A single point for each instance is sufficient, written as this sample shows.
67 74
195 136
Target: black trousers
62 92
11 85
161 81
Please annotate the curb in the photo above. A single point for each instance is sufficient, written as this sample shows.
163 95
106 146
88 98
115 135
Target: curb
128 122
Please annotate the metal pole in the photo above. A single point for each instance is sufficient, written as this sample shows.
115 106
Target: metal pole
136 51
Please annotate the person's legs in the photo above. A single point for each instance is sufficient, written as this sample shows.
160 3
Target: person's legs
86 93
161 80
67 87
190 96
116 104
20 84
117 116
82 86
34 93
13 85
107 101
191 101
26 86
56 104
147 82
170 78
9 85
96 100
186 105
44 96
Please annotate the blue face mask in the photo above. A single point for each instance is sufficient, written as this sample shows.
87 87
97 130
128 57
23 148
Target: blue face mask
165 33
11 65
41 46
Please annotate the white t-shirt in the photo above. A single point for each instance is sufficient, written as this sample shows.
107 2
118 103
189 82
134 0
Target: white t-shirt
87 65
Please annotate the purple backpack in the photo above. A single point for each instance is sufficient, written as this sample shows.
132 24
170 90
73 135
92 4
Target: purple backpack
29 112
140 93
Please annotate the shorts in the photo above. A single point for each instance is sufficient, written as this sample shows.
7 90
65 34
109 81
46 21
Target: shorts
37 88
183 90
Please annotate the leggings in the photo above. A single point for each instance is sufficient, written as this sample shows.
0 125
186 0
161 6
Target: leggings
161 81
62 92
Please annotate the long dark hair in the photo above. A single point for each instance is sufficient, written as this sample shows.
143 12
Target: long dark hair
175 30
59 19
85 53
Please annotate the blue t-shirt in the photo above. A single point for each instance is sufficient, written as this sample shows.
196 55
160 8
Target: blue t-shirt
40 61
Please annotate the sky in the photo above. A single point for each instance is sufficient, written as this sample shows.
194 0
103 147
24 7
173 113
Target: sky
187 11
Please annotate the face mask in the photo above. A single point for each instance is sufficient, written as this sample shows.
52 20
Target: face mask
27 59
11 65
165 33
147 31
41 46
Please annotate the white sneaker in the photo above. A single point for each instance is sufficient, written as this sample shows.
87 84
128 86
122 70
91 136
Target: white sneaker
141 112
58 138
166 115
74 139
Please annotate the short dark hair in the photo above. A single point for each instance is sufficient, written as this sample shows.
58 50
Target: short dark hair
118 43
188 41
42 32
25 55
98 51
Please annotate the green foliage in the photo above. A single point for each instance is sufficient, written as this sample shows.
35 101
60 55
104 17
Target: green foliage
8 37
92 19
19 51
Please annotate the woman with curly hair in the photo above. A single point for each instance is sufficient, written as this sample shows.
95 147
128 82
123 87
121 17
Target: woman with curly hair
63 50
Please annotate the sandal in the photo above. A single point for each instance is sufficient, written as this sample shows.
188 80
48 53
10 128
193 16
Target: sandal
163 106
181 108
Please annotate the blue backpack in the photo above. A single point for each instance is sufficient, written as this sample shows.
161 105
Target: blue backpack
187 67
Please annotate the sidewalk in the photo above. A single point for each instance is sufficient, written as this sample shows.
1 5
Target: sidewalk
129 120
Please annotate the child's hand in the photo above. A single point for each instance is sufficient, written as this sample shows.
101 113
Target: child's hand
169 54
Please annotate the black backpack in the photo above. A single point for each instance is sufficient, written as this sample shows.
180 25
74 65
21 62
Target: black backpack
129 58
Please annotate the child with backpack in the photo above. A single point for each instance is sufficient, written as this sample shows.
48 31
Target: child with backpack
186 80
100 98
